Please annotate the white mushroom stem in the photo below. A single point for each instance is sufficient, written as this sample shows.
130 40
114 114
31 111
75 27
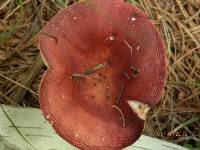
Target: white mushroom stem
139 108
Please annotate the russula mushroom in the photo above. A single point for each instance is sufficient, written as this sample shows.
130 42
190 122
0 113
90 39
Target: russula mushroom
106 68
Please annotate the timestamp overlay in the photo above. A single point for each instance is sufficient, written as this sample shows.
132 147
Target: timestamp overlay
172 134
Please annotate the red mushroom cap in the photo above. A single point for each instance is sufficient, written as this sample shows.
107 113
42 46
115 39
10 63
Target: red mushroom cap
102 56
